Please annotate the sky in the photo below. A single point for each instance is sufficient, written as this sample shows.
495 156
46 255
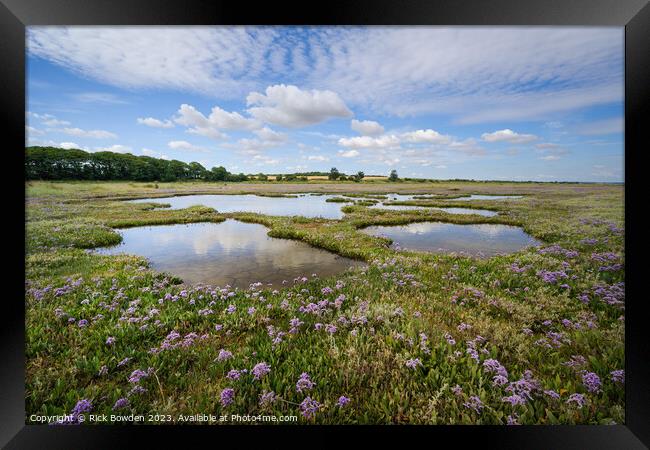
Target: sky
485 103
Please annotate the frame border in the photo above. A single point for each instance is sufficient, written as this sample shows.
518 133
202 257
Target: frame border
634 15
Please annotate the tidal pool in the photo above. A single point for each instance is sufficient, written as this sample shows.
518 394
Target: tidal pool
228 253
486 197
306 205
480 212
439 237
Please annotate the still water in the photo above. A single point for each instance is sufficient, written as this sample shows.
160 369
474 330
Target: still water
230 252
438 237
303 205
480 212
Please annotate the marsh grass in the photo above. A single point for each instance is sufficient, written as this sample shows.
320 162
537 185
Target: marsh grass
527 319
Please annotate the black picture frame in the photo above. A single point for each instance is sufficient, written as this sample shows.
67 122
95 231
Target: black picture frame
634 15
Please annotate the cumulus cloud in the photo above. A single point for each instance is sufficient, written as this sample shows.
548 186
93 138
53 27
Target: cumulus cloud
386 141
69 145
289 106
155 123
367 127
95 134
212 125
508 136
184 145
319 158
428 136
348 154
269 135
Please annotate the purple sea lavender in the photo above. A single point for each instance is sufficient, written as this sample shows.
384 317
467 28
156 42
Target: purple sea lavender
342 401
224 355
413 363
260 370
474 403
227 397
309 407
591 381
304 383
578 399
121 403
618 376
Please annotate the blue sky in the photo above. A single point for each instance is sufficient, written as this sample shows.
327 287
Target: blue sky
511 103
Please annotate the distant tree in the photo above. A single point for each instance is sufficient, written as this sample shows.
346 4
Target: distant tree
262 177
334 174
218 173
393 175
278 178
360 175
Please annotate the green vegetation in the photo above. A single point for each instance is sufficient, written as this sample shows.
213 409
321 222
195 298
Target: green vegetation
50 163
535 337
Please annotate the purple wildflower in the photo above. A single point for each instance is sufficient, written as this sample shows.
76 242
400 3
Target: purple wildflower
227 396
267 398
551 393
413 363
578 399
342 401
457 390
514 400
308 407
82 406
121 403
474 403
224 355
304 383
260 370
137 375
494 366
591 381
82 323
618 376
110 340
234 374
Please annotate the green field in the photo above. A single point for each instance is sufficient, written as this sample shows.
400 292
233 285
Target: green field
535 337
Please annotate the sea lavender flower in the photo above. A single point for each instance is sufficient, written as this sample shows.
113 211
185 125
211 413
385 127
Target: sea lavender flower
474 403
413 363
514 400
123 362
513 419
121 403
304 383
110 340
330 328
308 408
234 374
591 381
499 380
224 355
260 370
342 401
137 375
494 366
82 323
231 309
267 398
227 397
578 399
457 390
103 370
618 376
551 393
82 406
251 310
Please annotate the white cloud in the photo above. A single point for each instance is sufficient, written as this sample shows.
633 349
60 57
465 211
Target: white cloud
290 106
218 120
184 145
549 157
34 131
269 135
440 166
348 154
477 74
367 127
547 146
386 141
508 136
99 97
69 145
428 136
319 158
155 123
95 134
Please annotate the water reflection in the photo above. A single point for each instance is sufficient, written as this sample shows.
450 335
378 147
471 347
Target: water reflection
230 252
477 239
303 205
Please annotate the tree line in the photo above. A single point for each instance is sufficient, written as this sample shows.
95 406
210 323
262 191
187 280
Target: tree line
51 163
